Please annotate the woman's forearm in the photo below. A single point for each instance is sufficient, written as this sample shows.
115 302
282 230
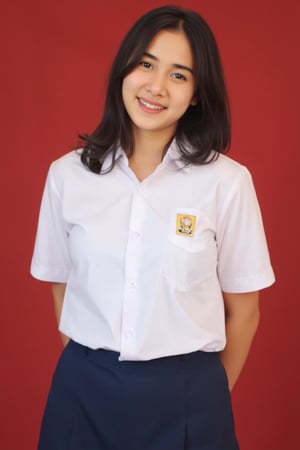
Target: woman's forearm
242 319
58 292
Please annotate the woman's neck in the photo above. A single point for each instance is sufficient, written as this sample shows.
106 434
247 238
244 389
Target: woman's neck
148 152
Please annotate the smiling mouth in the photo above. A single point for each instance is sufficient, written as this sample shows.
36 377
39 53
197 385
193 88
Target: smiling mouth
151 105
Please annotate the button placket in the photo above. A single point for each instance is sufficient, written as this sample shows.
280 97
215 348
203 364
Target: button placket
132 263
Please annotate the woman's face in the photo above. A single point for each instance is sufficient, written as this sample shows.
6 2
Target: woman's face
161 87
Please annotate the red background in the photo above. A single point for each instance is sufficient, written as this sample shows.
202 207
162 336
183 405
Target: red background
55 60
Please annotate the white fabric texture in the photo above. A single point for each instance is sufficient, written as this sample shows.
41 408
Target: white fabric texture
136 284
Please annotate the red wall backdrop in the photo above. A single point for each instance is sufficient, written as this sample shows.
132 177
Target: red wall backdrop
55 58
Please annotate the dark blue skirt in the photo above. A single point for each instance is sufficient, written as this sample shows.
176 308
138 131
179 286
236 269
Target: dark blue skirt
97 402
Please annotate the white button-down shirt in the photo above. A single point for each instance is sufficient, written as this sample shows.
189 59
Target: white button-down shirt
146 262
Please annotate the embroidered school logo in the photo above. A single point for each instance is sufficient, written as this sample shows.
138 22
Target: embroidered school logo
185 224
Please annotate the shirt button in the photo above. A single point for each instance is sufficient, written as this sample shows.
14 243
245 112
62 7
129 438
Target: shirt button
129 334
132 285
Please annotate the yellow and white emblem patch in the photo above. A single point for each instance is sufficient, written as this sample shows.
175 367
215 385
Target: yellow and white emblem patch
185 224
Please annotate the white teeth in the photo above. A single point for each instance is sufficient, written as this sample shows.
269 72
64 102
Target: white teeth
150 106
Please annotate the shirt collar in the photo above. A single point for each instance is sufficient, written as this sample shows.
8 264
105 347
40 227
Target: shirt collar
172 155
109 159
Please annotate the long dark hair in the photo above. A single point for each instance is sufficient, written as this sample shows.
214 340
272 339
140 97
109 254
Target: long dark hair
204 127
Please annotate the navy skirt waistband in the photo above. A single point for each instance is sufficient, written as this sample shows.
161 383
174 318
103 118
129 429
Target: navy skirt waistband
191 360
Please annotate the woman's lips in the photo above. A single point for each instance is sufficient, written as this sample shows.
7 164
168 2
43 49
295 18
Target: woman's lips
150 106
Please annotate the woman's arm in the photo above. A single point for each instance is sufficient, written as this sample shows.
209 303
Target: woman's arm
58 292
242 318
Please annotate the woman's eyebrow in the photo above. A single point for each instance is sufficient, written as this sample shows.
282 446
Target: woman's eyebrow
178 66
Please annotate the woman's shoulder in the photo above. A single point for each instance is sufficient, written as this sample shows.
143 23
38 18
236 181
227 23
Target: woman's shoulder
222 169
230 174
67 160
224 176
68 163
228 167
67 168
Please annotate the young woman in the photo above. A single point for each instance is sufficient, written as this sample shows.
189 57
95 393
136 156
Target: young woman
153 242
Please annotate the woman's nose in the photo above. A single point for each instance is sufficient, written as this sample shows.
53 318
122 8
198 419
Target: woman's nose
157 85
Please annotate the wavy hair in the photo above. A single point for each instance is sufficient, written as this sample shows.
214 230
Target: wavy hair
205 127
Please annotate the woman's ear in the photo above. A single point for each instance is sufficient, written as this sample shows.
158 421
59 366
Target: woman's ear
194 101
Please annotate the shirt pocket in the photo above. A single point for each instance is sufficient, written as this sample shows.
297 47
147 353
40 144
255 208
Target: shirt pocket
190 260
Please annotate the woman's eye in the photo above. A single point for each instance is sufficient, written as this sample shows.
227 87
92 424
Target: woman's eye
146 64
179 76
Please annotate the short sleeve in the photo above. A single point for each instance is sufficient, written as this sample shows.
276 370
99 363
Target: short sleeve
243 257
50 261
